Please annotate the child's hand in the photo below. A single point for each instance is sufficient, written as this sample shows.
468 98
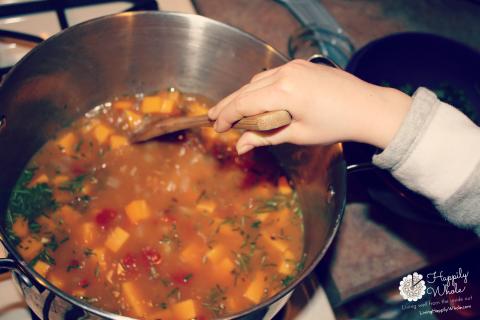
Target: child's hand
327 105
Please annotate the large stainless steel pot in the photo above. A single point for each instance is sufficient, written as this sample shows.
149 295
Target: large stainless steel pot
96 61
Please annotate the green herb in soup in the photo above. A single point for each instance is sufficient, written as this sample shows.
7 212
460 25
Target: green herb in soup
177 228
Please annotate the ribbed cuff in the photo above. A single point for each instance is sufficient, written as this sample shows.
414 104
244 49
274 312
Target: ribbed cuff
421 112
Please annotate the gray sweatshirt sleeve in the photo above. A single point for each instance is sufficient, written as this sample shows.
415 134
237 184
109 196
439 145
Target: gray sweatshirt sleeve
436 152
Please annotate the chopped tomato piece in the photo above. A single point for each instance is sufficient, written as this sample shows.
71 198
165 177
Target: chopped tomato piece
83 283
129 262
105 217
168 219
151 256
78 169
182 278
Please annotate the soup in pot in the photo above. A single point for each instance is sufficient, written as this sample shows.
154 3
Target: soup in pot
176 228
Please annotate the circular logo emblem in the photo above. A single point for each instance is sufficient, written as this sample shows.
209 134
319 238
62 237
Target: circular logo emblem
412 287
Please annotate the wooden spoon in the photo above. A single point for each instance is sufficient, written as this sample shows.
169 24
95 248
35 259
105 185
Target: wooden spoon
155 127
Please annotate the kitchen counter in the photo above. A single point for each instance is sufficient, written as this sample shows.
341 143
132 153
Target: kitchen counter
374 247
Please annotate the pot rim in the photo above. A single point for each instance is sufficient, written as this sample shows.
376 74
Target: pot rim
29 271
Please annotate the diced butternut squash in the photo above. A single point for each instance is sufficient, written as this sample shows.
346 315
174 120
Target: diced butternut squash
102 132
227 231
20 227
43 178
79 293
185 310
278 244
166 314
152 104
118 141
122 104
207 206
69 215
67 143
42 268
58 180
29 248
88 233
209 134
284 186
192 254
133 118
134 299
56 280
47 224
264 190
197 109
116 239
88 126
256 289
217 253
137 211
232 304
87 188
223 270
287 266
262 216
282 218
164 103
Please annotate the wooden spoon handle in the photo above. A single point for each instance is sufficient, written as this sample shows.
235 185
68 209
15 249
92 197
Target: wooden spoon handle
264 121
260 122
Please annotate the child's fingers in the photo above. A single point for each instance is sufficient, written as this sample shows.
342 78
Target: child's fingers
251 139
248 104
260 83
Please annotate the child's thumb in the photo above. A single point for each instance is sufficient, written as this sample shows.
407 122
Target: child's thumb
251 139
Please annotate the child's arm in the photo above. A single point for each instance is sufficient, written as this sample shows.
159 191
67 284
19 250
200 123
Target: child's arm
436 152
429 146
327 105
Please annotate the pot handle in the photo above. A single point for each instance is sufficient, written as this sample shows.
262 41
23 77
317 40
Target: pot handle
7 264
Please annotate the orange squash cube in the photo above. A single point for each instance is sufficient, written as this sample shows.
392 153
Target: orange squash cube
55 280
88 233
207 206
42 268
192 254
134 299
58 180
137 211
133 118
197 109
185 310
116 239
217 253
284 186
122 104
255 290
101 133
43 178
29 248
20 227
69 215
118 141
66 143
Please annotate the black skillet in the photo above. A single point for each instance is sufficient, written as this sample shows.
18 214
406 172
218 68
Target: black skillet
408 61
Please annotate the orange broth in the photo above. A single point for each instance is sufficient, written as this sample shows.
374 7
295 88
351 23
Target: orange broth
176 228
